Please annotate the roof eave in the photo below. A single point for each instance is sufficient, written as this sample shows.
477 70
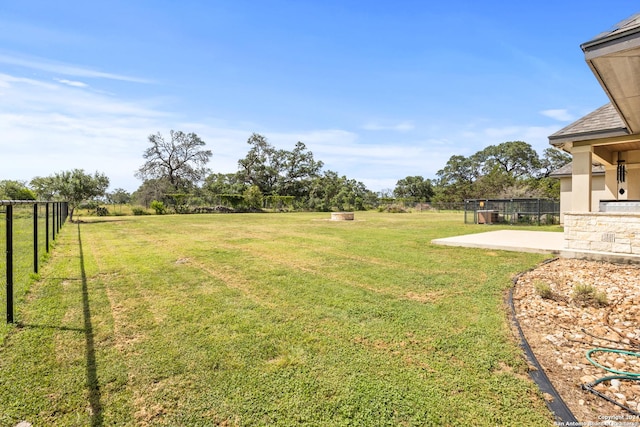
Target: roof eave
610 43
608 56
559 140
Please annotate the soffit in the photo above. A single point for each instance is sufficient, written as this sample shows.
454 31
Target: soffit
606 150
614 58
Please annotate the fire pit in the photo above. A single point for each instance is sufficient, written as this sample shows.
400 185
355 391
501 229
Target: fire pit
342 216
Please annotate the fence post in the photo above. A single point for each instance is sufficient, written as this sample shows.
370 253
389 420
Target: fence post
54 218
9 254
46 226
35 238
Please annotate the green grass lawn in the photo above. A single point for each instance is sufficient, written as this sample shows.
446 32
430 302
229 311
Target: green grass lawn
268 319
23 252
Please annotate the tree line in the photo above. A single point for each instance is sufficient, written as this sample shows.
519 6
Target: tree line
175 176
175 173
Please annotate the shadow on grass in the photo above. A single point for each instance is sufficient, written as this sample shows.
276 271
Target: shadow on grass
40 326
92 375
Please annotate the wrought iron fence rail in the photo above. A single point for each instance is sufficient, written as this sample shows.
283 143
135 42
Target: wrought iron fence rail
24 202
54 217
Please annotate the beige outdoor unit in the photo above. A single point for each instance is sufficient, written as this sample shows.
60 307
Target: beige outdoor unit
487 217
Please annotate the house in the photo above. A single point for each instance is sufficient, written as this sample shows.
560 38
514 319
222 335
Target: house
601 211
598 189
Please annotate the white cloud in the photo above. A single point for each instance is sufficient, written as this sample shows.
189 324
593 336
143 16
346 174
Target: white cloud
560 114
477 139
49 126
71 83
66 69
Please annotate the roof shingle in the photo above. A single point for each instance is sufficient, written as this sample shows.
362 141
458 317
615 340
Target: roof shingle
605 121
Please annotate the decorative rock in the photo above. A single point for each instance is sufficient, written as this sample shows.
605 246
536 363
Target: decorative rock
601 388
560 331
587 379
619 363
620 397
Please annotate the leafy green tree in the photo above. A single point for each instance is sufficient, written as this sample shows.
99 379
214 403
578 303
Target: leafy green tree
150 190
455 180
509 169
552 160
217 184
278 172
323 190
253 197
119 196
77 186
181 160
459 170
15 190
516 158
333 192
414 188
299 169
262 164
44 187
495 184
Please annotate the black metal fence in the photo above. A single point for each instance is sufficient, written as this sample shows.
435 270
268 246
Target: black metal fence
512 211
27 230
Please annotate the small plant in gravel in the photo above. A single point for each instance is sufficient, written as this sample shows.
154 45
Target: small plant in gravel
543 289
588 294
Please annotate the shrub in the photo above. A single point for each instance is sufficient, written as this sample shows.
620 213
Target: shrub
138 210
543 289
253 198
159 207
102 211
588 294
393 208
180 209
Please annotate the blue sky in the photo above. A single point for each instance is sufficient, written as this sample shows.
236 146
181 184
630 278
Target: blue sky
378 90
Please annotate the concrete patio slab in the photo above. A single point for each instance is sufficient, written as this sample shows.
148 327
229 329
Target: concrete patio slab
509 240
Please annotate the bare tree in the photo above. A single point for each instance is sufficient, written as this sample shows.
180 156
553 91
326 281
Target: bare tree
181 160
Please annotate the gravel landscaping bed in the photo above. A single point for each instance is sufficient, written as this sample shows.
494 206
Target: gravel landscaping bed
567 307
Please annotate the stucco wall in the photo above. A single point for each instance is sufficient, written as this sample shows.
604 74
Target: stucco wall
599 192
633 191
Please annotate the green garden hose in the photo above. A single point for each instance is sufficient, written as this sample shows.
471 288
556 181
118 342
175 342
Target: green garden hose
609 369
621 375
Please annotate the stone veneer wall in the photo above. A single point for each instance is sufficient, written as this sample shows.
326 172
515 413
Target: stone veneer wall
616 232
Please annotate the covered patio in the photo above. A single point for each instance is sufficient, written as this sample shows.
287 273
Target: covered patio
609 137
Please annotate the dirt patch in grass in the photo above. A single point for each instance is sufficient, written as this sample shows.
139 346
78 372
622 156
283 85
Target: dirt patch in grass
567 307
429 297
